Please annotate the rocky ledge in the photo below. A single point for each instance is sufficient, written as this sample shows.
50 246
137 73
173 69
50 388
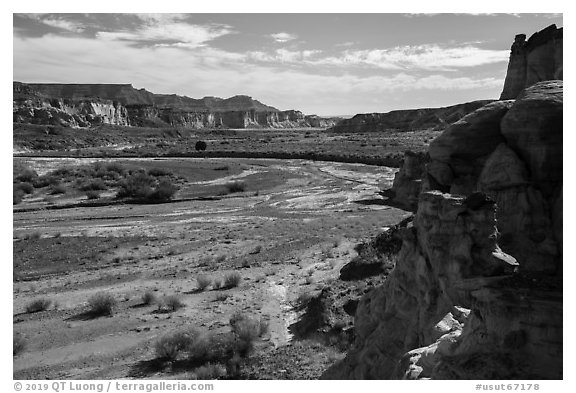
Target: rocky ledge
476 292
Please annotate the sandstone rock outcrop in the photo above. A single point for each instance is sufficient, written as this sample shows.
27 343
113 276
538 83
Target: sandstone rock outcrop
408 181
477 289
68 105
408 120
538 59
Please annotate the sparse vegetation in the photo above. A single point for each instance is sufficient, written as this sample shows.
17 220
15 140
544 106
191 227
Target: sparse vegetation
41 304
170 303
148 298
209 371
232 279
102 303
19 344
170 346
203 282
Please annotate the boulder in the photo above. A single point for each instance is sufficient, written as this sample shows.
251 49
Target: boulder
467 141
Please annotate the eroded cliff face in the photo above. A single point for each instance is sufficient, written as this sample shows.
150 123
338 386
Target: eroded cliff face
80 113
538 59
85 105
477 289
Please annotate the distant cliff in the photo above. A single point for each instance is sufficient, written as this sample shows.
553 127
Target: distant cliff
408 120
538 59
85 105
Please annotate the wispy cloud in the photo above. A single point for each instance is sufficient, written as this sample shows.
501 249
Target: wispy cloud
168 30
64 25
425 57
283 37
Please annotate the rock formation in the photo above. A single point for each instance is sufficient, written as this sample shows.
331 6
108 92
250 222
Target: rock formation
477 289
85 105
538 59
408 181
408 120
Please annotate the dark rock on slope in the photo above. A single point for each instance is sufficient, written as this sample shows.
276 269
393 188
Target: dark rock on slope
538 59
408 120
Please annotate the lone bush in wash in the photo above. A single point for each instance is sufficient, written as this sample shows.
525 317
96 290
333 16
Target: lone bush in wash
37 305
18 344
232 279
163 192
200 146
102 303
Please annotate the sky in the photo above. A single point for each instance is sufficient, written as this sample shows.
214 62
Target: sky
325 64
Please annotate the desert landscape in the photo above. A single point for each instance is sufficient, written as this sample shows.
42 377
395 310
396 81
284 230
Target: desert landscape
157 236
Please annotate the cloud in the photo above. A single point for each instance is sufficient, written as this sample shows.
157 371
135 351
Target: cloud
64 24
424 57
283 37
167 30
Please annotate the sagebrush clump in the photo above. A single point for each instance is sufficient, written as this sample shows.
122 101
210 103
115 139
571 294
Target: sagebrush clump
37 305
232 279
102 303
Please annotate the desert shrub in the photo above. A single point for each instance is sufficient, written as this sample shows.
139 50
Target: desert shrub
27 175
247 329
163 192
17 196
37 305
209 371
170 303
138 185
26 187
114 167
45 181
148 298
220 258
94 185
235 186
232 279
91 194
170 346
18 344
57 189
218 283
142 187
221 297
203 282
200 146
102 303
